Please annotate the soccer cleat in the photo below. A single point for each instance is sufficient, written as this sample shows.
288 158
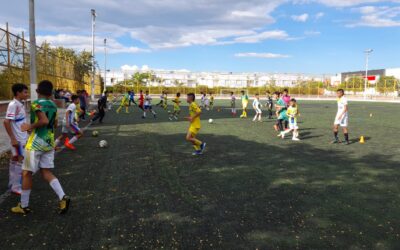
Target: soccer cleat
203 147
197 152
69 145
335 141
64 205
170 118
280 134
16 191
20 210
346 143
295 139
283 135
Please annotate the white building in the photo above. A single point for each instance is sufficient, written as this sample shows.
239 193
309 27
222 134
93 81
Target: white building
213 79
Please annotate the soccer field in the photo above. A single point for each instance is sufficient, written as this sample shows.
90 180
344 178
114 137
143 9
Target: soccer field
249 190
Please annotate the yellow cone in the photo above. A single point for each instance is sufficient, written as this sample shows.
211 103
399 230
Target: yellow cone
362 140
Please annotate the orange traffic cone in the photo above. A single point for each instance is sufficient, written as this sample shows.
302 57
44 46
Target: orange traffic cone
362 140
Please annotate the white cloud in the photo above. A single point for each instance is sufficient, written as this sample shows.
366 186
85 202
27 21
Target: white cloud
312 33
319 15
300 18
81 43
372 16
262 55
267 35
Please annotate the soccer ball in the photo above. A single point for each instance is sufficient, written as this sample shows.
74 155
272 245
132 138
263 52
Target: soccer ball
103 143
95 133
210 121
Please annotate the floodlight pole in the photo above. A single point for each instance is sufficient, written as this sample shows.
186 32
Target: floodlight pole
93 53
32 40
105 62
367 53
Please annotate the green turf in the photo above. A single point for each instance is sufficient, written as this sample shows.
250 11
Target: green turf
249 190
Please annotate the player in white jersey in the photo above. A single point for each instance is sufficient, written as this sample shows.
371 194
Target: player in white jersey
15 117
233 104
148 106
70 125
257 108
342 118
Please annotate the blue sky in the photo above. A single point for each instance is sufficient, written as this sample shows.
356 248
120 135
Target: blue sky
302 36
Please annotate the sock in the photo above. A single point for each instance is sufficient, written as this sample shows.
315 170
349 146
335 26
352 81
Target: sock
56 186
11 178
144 114
336 135
18 176
127 109
25 198
280 125
73 139
196 147
346 137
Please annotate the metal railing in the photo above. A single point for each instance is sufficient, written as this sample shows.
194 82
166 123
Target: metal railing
14 66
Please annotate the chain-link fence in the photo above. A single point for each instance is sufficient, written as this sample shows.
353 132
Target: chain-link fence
385 89
15 61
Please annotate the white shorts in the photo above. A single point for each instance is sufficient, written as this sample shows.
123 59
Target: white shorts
18 150
73 128
344 122
258 110
35 160
293 124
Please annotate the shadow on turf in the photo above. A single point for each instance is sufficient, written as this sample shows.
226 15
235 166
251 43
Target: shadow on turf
147 191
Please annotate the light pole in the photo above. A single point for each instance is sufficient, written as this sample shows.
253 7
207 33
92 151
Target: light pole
94 15
32 40
367 53
105 62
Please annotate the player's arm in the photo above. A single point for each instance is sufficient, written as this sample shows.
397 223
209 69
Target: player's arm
7 126
344 111
42 122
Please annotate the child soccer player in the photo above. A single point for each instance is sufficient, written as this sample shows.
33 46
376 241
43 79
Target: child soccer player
131 98
39 150
269 104
257 108
206 102
101 106
141 100
161 103
194 119
233 104
245 102
147 106
70 124
15 117
211 101
292 113
177 108
280 113
203 100
124 103
165 103
342 118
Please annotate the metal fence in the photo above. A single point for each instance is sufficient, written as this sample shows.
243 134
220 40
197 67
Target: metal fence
15 60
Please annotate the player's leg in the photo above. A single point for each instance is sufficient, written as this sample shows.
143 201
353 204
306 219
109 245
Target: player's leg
47 163
335 133
30 166
197 144
153 112
102 113
346 134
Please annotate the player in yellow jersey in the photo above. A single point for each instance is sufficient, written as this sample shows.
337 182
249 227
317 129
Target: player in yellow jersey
292 113
211 101
177 107
124 103
245 103
195 125
39 150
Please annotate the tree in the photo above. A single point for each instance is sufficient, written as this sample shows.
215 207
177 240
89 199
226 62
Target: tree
387 84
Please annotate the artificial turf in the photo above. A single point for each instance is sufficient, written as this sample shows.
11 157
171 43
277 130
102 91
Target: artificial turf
250 190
